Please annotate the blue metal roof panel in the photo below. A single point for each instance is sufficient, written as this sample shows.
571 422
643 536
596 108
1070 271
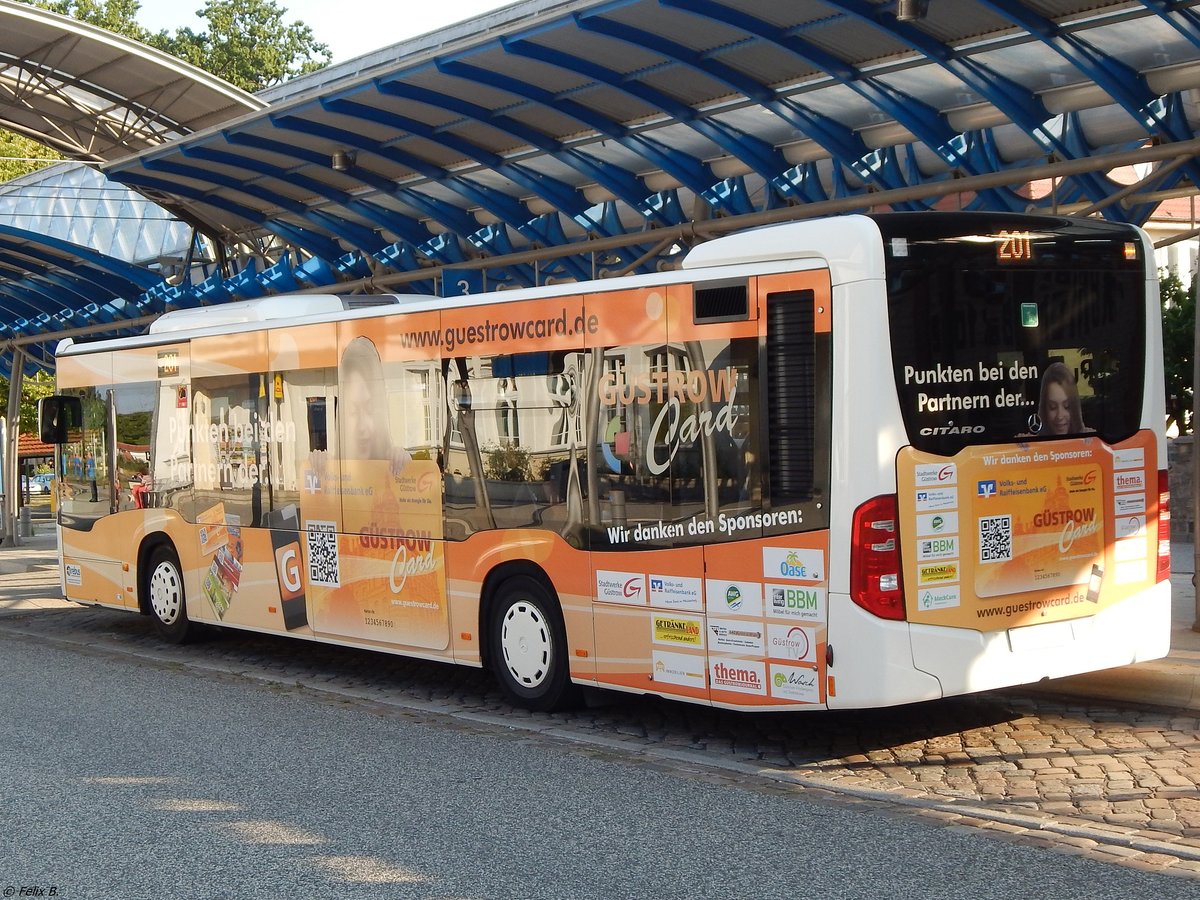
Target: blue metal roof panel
549 121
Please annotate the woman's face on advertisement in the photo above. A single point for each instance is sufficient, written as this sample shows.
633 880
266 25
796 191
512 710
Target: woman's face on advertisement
1058 409
360 418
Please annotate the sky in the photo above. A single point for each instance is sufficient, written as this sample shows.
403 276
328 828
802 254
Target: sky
350 27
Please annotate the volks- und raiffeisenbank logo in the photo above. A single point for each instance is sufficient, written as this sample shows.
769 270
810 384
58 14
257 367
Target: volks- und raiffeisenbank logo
987 488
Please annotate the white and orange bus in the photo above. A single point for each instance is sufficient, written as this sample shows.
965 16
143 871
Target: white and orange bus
852 462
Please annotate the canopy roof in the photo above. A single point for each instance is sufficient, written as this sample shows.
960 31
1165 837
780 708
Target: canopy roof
560 129
96 96
601 116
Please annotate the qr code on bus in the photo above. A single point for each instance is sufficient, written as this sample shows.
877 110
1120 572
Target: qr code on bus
322 553
995 539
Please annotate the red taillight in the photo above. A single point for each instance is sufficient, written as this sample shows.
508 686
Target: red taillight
875 583
1164 526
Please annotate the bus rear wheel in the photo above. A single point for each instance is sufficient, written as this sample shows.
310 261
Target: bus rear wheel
528 644
165 596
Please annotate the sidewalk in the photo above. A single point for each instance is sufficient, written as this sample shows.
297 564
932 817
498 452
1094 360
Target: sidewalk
1173 681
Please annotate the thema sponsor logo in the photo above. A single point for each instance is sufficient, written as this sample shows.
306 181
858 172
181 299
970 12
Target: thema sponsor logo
744 677
1129 481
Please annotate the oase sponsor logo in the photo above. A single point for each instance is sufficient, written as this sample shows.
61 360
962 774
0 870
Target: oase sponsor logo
742 676
621 587
678 630
801 565
795 683
791 642
797 603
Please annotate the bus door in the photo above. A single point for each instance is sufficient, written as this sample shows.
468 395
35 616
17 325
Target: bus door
767 551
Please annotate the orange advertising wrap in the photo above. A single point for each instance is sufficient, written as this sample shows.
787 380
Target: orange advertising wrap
637 482
383 579
1039 532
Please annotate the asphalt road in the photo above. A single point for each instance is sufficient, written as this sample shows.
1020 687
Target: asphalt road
128 779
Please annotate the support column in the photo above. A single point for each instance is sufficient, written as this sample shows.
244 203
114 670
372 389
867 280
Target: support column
12 465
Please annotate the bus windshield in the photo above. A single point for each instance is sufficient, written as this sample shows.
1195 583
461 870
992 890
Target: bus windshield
1014 328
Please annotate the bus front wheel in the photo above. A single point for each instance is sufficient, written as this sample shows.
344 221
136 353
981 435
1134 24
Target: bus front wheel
529 645
165 596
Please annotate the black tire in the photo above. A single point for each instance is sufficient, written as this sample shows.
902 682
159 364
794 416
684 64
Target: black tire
165 597
528 646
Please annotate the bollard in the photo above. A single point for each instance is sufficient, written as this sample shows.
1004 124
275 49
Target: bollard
25 528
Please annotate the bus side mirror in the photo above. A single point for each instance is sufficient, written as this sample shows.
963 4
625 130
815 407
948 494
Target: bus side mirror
58 416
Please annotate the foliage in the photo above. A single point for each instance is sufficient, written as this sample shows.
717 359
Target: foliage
117 16
134 428
17 155
247 43
33 389
506 463
1179 328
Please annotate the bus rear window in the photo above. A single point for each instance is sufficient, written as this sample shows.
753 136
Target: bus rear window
1023 329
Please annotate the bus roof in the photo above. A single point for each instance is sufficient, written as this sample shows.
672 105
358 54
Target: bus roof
850 245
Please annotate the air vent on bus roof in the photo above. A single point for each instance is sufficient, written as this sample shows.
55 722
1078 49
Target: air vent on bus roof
726 301
364 301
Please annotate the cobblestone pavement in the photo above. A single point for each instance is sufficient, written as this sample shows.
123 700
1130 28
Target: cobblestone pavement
1117 783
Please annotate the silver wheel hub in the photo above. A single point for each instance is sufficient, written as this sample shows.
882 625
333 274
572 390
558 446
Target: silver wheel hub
526 643
166 593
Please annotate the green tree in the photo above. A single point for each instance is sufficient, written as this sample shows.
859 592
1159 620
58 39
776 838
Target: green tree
247 43
117 16
19 155
33 389
1179 329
